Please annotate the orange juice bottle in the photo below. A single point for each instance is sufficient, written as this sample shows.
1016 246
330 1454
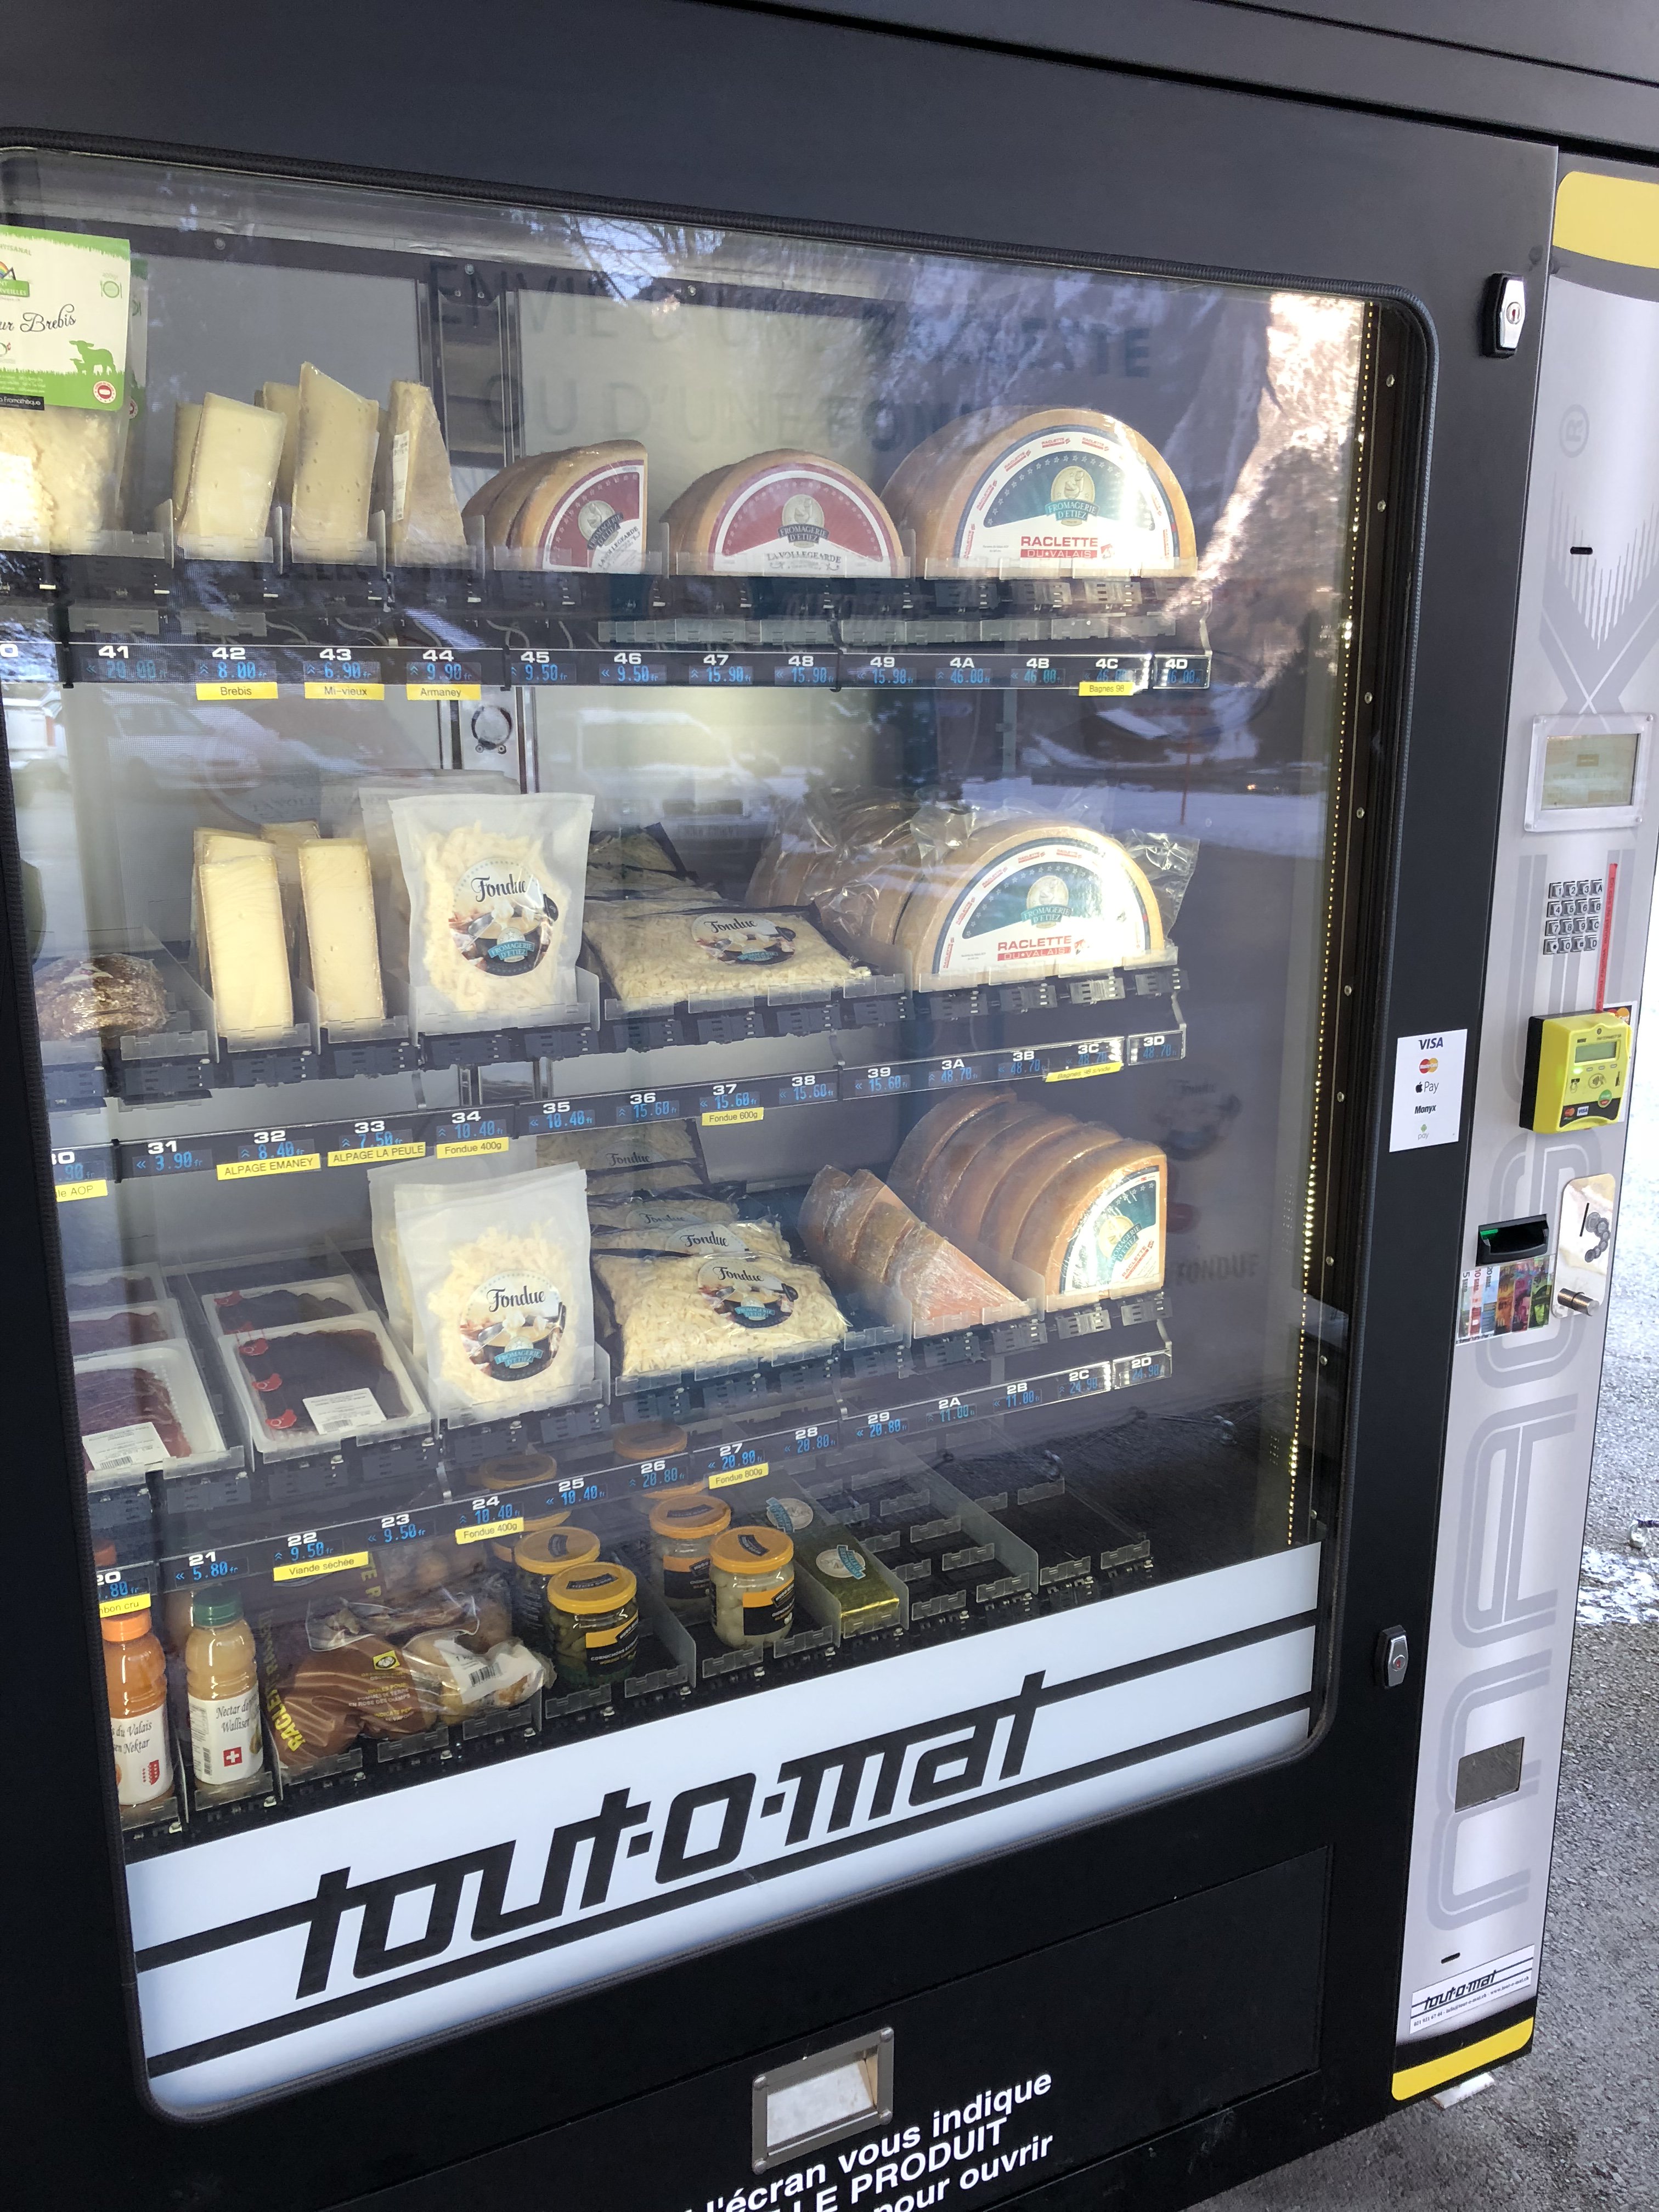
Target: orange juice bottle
221 1673
136 1684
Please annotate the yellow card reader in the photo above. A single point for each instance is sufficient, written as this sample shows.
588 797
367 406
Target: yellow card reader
1576 1069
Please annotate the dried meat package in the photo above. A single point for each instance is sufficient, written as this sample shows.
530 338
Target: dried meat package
499 1283
496 886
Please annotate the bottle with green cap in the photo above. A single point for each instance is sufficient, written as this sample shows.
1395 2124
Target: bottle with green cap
221 1673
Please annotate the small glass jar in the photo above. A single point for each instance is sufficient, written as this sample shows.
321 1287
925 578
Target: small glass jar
593 1623
536 1559
681 1529
753 1571
535 1524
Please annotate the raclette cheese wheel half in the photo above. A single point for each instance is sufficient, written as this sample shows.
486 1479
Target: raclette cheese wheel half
782 513
1064 486
1020 1188
931 1134
1097 1230
1028 896
964 1219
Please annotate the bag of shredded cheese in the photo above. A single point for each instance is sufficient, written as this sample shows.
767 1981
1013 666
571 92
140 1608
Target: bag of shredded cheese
499 1284
716 1309
384 1185
495 889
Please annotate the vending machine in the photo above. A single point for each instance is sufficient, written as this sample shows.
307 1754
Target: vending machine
825 862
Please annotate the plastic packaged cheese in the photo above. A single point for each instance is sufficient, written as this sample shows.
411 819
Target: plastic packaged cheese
425 1177
495 889
650 1158
498 1276
697 1313
60 474
656 954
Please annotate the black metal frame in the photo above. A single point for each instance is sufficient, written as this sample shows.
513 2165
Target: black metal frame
902 138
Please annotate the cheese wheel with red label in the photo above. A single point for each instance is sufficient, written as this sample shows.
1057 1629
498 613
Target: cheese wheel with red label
1024 895
1025 1182
585 509
1098 1229
935 1129
1065 487
782 513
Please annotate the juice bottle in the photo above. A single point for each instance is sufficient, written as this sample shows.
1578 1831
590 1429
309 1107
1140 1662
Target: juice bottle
136 1683
222 1674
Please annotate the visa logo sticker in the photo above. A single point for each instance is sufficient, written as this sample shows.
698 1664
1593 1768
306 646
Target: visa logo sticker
1428 1089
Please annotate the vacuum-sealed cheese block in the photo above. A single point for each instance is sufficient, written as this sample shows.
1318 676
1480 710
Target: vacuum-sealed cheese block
782 513
1065 486
284 399
59 471
339 911
1098 1231
674 1228
389 1184
186 422
620 1216
246 943
935 1129
1030 1178
604 1152
416 492
720 1311
333 469
231 483
1023 895
657 955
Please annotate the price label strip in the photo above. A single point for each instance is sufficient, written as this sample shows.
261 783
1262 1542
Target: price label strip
262 1153
82 1171
549 1114
304 1557
473 1134
437 675
336 671
375 1142
28 652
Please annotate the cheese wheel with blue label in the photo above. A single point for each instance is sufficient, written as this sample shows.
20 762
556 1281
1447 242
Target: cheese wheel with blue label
782 513
1025 897
1098 1229
1064 488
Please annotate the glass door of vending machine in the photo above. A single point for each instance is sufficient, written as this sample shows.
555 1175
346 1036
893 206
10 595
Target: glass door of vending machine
692 892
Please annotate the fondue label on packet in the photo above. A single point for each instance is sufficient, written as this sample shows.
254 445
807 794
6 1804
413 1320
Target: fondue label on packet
513 1327
501 918
744 941
747 1296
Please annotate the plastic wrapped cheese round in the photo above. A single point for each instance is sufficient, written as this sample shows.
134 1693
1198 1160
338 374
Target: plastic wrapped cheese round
782 513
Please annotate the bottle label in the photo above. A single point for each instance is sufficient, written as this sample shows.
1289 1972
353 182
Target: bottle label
143 1770
770 1613
225 1743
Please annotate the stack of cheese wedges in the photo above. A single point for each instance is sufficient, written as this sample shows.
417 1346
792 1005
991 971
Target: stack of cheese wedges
1048 1204
287 899
866 1239
580 508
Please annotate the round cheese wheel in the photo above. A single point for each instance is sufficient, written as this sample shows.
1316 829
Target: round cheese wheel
816 1208
1036 1173
782 513
951 1162
964 1219
1028 895
1065 486
516 476
935 1129
1098 1229
584 508
888 1221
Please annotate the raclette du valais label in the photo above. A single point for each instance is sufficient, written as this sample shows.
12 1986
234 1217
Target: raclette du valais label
1085 498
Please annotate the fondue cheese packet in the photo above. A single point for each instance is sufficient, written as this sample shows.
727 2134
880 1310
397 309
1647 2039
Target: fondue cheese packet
657 955
386 1184
498 1285
496 886
717 1308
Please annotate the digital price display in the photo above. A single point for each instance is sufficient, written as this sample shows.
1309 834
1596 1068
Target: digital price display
27 655
808 1090
123 1590
118 663
200 1569
558 1113
305 1556
807 670
82 1172
336 671
472 1133
167 1156
890 1421
952 1074
885 671
650 1106
231 672
629 668
890 1080
539 664
267 1153
726 1103
435 675
490 1517
720 670
1180 671
374 1143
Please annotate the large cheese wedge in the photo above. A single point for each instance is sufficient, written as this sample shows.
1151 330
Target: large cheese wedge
1064 488
333 470
246 944
937 1188
941 1289
1022 895
339 908
932 1133
186 422
885 1221
284 399
60 469
416 493
231 482
962 1217
1097 1231
819 1208
782 513
849 1209
903 1270
1036 1172
502 494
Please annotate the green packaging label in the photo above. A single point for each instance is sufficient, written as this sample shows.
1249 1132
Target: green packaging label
65 304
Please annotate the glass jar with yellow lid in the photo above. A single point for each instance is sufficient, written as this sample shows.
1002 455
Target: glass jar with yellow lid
534 1524
682 1527
753 1571
593 1620
536 1559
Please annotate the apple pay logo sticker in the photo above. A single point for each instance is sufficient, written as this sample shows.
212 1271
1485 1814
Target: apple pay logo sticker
1428 1089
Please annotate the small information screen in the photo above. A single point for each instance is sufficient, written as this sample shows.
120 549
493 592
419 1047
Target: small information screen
1584 768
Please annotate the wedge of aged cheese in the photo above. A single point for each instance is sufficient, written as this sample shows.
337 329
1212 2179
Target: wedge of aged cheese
186 422
1065 487
657 955
333 469
782 513
885 1222
284 399
416 491
962 1217
286 839
935 1130
60 468
246 944
902 1269
1024 895
846 1211
1035 1174
232 482
1098 1230
339 911
942 1289
818 1208
721 1311
937 1188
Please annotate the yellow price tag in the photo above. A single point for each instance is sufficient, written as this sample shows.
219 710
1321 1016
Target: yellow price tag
291 1164
1077 1074
740 1475
111 1608
471 1147
475 1532
335 690
419 691
211 692
306 1571
723 1115
93 1187
375 1155
1106 691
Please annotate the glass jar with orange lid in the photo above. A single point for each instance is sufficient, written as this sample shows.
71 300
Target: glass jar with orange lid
536 1559
593 1619
753 1571
682 1527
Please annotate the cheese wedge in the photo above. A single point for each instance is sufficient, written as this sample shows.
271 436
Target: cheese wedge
246 944
902 1270
1036 1175
186 422
232 481
935 1130
339 911
59 472
416 494
1064 488
286 839
1098 1231
782 513
333 469
937 1188
284 399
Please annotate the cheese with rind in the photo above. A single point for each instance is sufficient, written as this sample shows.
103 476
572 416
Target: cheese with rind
231 483
1022 895
246 944
284 399
984 1133
186 422
416 491
1029 1178
935 1129
1098 1230
964 1219
787 513
903 1270
583 507
339 896
334 468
